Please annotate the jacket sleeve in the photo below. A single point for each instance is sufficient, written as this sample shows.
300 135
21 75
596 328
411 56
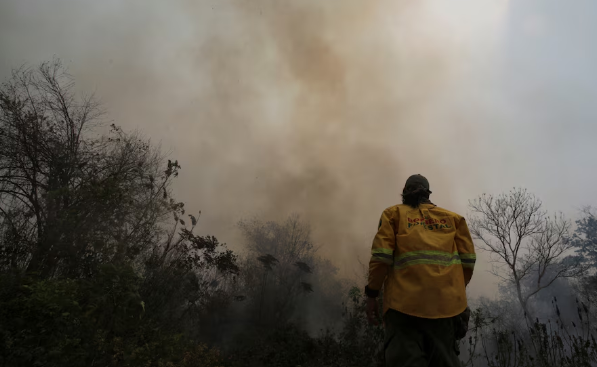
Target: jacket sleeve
382 253
466 249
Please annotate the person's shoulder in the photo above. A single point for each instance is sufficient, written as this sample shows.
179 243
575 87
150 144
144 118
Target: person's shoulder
397 207
393 210
447 212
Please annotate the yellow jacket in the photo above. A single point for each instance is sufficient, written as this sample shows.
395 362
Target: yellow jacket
424 257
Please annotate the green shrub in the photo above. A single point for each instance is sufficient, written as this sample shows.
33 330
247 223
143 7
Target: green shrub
96 321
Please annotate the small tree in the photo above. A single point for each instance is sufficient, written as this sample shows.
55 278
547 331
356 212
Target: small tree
585 237
524 241
187 278
288 246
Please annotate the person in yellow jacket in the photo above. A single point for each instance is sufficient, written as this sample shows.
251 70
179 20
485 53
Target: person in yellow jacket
423 255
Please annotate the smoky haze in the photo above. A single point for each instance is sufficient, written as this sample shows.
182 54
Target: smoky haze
320 108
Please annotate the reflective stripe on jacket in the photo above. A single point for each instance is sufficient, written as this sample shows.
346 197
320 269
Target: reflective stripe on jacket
424 257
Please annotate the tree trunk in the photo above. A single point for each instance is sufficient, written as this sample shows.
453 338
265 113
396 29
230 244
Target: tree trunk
523 303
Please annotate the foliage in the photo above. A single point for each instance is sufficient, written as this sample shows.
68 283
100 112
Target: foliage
356 344
84 322
91 271
585 237
41 323
278 270
70 200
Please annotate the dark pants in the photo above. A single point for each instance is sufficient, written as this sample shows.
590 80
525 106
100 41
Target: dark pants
416 342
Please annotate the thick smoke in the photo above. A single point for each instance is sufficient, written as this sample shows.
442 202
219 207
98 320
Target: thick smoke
305 111
273 107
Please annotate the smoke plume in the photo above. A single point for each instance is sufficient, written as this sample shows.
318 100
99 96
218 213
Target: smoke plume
273 107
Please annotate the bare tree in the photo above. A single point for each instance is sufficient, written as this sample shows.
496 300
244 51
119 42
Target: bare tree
525 243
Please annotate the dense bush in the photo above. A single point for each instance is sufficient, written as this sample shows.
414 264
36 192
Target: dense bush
356 344
84 322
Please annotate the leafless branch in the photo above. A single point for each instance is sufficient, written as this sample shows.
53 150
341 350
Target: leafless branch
514 227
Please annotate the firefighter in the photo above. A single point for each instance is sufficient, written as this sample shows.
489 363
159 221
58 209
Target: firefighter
423 255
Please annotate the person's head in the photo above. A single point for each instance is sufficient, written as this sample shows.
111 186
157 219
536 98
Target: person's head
416 191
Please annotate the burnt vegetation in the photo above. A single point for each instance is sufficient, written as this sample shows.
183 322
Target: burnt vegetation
100 265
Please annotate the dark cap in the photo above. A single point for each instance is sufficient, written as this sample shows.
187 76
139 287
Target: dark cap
416 180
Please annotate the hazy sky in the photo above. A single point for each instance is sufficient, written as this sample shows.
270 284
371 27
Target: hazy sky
326 107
